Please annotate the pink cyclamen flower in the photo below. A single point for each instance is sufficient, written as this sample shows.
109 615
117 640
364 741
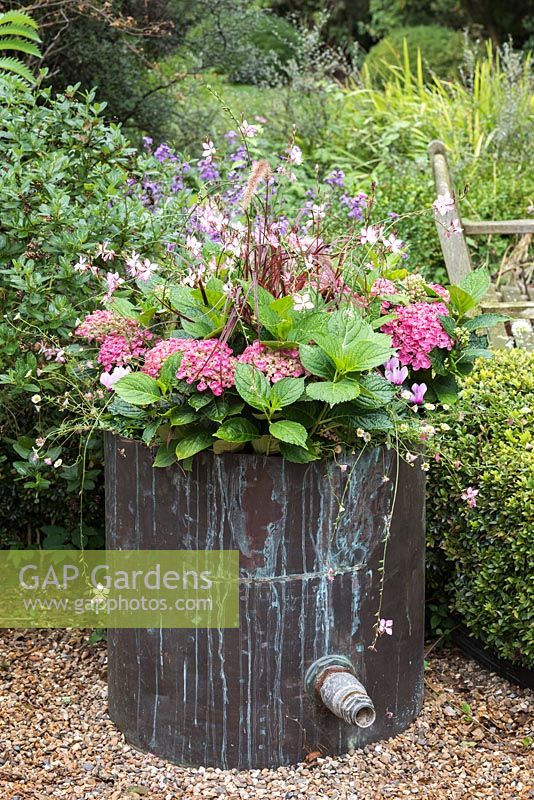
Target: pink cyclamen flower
416 331
155 357
443 204
394 373
109 379
470 494
211 363
417 393
275 364
385 626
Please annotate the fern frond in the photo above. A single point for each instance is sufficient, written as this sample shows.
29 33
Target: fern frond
18 18
16 67
20 45
19 30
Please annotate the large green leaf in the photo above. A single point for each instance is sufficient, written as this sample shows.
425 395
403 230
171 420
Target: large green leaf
315 360
375 391
290 432
286 391
252 386
476 284
365 355
461 300
165 456
333 393
237 429
484 321
21 46
138 389
446 389
193 444
15 66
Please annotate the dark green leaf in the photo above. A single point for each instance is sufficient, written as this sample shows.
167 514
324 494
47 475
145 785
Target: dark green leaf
138 389
237 429
317 362
252 386
333 393
192 444
290 432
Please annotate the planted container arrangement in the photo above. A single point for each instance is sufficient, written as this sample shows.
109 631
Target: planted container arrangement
268 390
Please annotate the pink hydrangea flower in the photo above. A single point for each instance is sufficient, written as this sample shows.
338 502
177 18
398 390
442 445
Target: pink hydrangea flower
417 331
155 357
441 290
383 286
117 350
211 363
101 323
275 364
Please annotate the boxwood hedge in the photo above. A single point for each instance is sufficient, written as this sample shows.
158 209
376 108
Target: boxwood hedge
481 557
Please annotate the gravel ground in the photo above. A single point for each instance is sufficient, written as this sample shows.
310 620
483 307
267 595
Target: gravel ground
472 739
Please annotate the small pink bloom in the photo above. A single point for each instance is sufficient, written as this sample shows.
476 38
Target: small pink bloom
294 155
385 626
443 204
470 494
330 574
454 228
394 373
113 281
105 252
370 235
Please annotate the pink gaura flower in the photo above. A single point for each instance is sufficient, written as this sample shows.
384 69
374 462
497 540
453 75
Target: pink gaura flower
470 494
113 281
454 228
105 252
443 204
294 155
370 235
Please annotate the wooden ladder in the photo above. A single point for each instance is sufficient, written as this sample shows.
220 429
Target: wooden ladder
507 299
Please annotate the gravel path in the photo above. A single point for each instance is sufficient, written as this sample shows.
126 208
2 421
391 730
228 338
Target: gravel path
472 739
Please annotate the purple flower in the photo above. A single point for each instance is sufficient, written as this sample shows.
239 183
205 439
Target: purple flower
417 393
394 373
207 170
336 178
163 152
355 205
148 141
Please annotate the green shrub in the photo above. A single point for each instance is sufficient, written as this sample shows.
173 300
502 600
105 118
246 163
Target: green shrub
442 52
64 191
481 557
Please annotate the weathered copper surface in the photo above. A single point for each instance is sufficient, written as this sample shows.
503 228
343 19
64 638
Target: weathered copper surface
236 698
